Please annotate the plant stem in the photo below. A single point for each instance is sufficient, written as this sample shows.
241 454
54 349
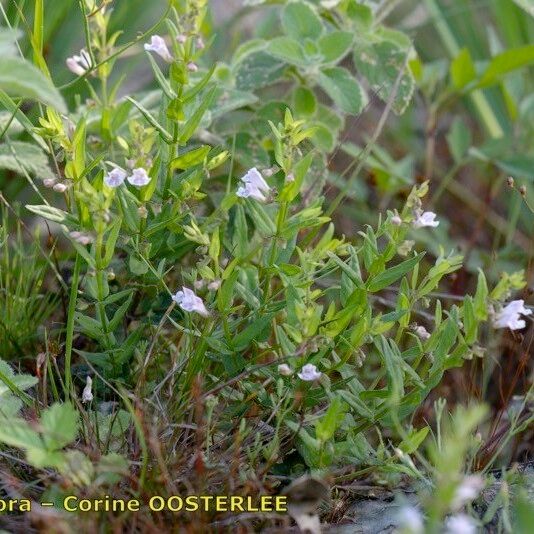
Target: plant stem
70 322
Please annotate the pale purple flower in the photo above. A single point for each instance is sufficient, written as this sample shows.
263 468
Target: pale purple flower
79 65
285 370
139 177
460 524
49 182
309 373
189 302
510 316
426 219
192 67
467 491
410 520
115 178
254 186
87 394
157 45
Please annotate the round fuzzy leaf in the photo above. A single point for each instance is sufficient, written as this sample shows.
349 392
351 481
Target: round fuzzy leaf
381 63
343 89
257 69
334 46
300 21
288 50
305 102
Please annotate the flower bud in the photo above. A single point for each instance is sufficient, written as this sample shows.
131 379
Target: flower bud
182 38
60 188
192 67
49 182
143 212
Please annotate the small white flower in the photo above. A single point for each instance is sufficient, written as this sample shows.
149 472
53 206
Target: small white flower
410 520
189 302
422 332
87 395
157 45
285 370
115 178
426 219
182 38
79 64
460 524
254 186
60 188
467 491
139 177
309 373
510 316
215 285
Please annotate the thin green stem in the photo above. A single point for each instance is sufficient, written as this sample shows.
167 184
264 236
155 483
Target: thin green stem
70 322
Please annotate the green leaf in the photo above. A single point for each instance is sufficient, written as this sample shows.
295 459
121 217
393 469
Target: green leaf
288 50
524 507
258 69
334 45
17 433
292 189
191 125
390 356
252 332
470 323
343 89
304 101
59 425
412 442
167 137
21 79
326 426
191 158
300 21
527 5
459 139
506 62
18 156
462 69
480 300
391 275
53 214
381 63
